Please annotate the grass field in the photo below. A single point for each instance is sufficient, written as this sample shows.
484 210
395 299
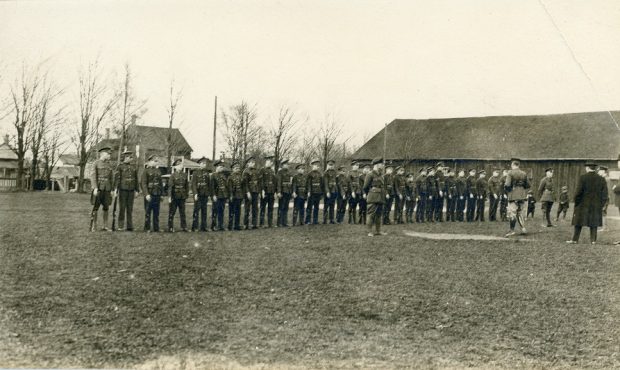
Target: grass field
314 296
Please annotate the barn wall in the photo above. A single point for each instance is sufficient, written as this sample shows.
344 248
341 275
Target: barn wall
565 172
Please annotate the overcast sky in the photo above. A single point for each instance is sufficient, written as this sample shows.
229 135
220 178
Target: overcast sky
367 62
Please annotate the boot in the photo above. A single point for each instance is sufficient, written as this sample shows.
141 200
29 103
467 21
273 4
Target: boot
105 221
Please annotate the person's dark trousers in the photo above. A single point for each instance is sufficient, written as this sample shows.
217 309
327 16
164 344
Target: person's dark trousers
299 209
220 206
251 205
200 210
420 211
410 206
503 209
493 203
460 209
180 204
152 210
438 209
480 209
353 209
375 213
547 208
387 208
267 202
577 233
450 209
234 210
213 215
341 208
125 198
471 209
363 204
313 208
328 207
398 210
283 204
562 208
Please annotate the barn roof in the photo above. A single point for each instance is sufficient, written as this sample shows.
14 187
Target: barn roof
151 137
591 135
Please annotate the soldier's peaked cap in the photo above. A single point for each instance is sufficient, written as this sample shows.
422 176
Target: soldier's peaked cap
127 152
299 166
268 157
604 168
235 164
177 161
219 163
514 159
353 163
377 160
482 172
105 149
284 161
548 169
472 170
422 170
342 168
314 161
330 161
204 160
249 159
590 164
400 168
152 157
439 164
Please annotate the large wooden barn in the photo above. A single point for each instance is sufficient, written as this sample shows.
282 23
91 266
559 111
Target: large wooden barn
561 141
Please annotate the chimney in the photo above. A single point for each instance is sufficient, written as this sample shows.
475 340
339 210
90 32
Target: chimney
107 133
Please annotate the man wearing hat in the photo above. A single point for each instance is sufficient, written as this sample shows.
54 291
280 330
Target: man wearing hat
356 191
438 201
546 194
179 191
285 189
236 193
251 188
503 200
590 197
343 189
201 188
461 195
362 200
470 190
450 195
314 185
152 188
433 193
300 192
127 184
102 180
330 191
268 184
482 189
374 187
516 186
390 193
422 195
219 187
495 192
400 183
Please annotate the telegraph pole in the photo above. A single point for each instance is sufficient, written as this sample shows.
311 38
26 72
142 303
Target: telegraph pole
214 128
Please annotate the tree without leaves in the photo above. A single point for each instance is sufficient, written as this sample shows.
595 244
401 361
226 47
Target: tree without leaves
329 133
282 134
52 148
175 97
242 134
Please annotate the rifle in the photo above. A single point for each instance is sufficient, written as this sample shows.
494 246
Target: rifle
92 212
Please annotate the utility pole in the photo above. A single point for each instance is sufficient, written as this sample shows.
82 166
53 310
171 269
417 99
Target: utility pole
214 127
384 141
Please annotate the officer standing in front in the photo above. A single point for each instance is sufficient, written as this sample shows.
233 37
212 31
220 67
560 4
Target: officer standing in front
374 187
251 188
152 188
450 195
201 188
390 193
127 184
495 190
461 194
179 191
102 180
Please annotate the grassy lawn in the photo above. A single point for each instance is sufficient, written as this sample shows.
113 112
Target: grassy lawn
314 296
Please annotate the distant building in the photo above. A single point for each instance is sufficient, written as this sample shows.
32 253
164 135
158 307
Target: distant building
8 166
66 172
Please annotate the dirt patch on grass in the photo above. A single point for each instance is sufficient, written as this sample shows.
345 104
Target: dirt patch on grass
447 236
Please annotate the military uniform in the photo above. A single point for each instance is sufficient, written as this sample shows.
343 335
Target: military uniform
461 196
268 182
482 191
410 196
495 190
343 186
452 198
285 189
470 190
127 183
531 205
219 186
330 193
201 188
153 187
438 201
103 180
399 197
179 191
516 185
251 186
374 186
390 192
363 204
546 194
314 184
563 206
503 200
422 195
301 192
432 193
236 194
356 194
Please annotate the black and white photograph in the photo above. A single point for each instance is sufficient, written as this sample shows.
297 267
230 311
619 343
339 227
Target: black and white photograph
295 184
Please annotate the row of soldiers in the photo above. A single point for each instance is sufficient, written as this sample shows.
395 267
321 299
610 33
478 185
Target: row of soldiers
420 199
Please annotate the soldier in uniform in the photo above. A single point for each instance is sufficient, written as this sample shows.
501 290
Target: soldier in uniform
300 192
102 180
374 187
461 195
201 188
495 190
470 189
390 193
343 187
362 201
284 189
503 202
563 206
179 191
421 195
236 193
127 184
546 194
400 193
516 187
220 193
152 188
356 191
441 190
268 183
251 188
433 193
482 190
410 196
450 195
330 192
314 186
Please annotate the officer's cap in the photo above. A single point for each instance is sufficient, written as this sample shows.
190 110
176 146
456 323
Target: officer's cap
422 170
530 192
219 163
604 168
284 161
439 164
366 165
315 161
341 168
431 168
204 160
515 160
483 172
564 187
377 160
127 152
389 165
235 164
472 170
399 168
152 157
331 161
268 157
105 149
353 163
299 166
548 169
590 164
177 162
249 159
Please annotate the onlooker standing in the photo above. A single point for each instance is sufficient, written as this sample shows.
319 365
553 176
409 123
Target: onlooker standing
590 196
563 206
546 194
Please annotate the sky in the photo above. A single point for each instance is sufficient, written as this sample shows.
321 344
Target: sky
364 62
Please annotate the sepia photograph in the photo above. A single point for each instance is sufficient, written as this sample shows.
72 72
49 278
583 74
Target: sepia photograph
295 184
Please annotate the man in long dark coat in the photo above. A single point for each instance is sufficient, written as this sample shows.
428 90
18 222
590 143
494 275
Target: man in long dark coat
590 196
